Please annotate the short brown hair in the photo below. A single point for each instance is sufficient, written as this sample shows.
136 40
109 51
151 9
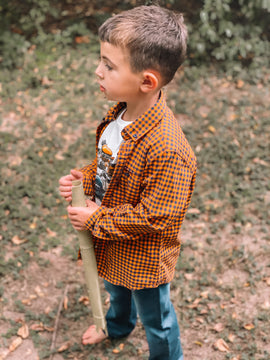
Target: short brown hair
155 37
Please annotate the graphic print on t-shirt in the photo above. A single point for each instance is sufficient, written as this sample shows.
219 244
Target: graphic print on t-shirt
105 169
108 147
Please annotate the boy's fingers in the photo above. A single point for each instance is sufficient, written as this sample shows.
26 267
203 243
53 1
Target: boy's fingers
65 189
72 210
68 180
77 174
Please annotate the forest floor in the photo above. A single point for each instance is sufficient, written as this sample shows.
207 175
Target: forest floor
49 110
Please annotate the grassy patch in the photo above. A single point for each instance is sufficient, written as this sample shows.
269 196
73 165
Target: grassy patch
49 111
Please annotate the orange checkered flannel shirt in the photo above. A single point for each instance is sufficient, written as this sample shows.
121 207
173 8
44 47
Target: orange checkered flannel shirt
135 230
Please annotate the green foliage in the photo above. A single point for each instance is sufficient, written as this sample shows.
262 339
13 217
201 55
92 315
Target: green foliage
33 22
233 32
12 49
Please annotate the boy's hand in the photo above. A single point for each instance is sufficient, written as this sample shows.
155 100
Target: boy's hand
66 183
79 215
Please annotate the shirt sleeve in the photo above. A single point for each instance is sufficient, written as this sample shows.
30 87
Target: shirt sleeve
89 172
165 196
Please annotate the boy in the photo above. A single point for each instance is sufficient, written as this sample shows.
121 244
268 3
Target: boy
141 180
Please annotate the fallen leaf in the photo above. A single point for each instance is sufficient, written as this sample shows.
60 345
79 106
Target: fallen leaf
211 306
226 84
200 320
218 327
221 345
4 354
37 327
235 316
84 300
231 338
23 331
194 211
64 347
47 310
204 294
204 311
195 303
38 291
199 343
65 305
121 346
240 84
188 276
260 162
249 326
45 81
232 117
51 233
15 343
49 329
204 111
15 160
17 241
59 156
266 305
82 39
212 129
26 301
33 225
116 351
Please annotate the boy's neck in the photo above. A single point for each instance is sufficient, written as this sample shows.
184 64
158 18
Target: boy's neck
138 108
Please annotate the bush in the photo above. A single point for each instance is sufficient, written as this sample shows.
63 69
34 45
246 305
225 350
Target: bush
13 47
234 33
20 22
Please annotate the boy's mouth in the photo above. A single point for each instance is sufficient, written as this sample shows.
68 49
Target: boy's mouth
102 88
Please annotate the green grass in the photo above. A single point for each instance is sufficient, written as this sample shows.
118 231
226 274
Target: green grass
49 111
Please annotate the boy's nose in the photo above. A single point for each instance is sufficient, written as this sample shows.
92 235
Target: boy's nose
98 72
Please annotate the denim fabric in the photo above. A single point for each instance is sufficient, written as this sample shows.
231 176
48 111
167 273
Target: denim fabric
156 312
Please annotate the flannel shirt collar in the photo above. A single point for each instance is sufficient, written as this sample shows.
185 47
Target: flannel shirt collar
142 124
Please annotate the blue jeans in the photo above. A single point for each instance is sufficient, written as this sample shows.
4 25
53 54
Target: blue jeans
156 313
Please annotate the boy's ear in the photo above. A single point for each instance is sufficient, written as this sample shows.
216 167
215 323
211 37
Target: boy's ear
151 81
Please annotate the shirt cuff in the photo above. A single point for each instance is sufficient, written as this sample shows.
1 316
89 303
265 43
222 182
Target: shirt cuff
90 223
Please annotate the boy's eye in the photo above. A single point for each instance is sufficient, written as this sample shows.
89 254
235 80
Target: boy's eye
108 67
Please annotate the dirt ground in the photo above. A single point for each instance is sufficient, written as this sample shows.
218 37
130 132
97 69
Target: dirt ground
38 289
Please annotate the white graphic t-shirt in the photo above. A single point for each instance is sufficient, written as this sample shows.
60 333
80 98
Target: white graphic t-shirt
108 148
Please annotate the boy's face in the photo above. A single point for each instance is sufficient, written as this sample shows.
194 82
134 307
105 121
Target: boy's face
115 77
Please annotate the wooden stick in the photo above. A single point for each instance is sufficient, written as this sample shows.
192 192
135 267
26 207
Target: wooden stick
89 262
60 307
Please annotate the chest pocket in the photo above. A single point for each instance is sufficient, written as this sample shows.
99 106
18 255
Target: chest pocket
129 186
